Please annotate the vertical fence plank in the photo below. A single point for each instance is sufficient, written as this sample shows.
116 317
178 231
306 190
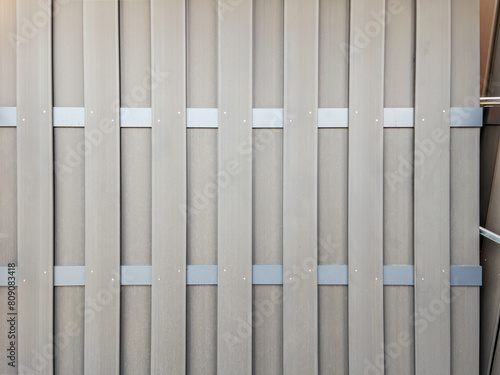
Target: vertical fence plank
398 186
464 175
35 190
202 249
135 92
168 337
365 215
234 346
8 200
102 187
69 185
332 185
202 172
267 187
300 188
432 184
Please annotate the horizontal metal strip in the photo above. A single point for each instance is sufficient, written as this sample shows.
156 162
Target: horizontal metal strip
70 117
263 274
398 275
135 117
466 117
466 275
489 234
262 117
8 116
333 117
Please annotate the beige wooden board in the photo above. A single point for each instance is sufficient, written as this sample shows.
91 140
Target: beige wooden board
168 39
136 248
332 185
102 187
202 329
234 332
201 249
69 329
202 171
68 54
69 250
35 192
135 86
9 40
267 222
300 188
332 249
8 223
268 54
398 186
202 53
399 67
267 249
398 248
432 184
333 52
69 186
8 193
464 182
365 216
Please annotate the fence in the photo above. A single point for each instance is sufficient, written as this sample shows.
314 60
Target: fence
237 187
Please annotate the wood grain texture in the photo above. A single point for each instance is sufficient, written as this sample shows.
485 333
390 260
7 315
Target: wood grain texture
464 182
68 54
398 187
8 223
333 52
136 202
333 355
35 190
202 53
168 38
267 186
332 232
267 305
10 38
202 249
300 188
268 54
202 172
365 201
432 186
136 249
69 249
234 335
102 187
69 186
